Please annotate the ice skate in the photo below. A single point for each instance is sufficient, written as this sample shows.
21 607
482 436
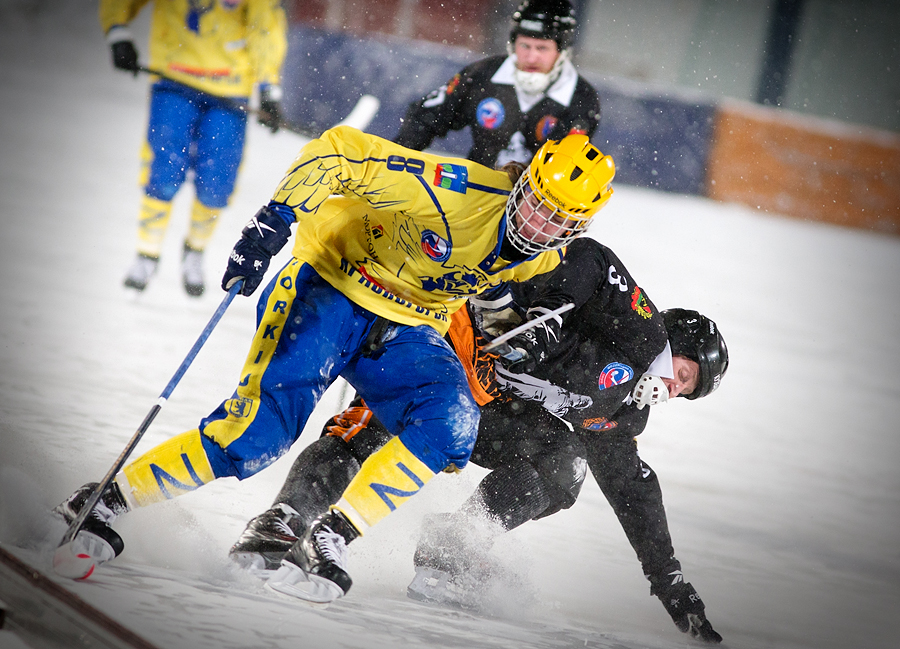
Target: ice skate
433 586
141 271
315 568
265 541
192 271
96 538
453 566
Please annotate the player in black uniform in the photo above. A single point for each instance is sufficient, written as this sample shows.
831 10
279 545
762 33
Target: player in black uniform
513 103
592 373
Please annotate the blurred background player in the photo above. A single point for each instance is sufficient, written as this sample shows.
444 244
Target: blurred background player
389 244
591 375
513 103
211 54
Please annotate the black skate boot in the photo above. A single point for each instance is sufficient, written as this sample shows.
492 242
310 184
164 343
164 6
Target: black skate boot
265 541
315 568
96 538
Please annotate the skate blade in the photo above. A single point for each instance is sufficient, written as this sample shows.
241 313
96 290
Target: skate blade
254 564
432 586
290 581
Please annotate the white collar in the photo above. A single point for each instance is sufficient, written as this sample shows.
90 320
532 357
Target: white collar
662 364
561 91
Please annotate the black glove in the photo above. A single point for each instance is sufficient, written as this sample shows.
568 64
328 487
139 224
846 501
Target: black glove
125 57
261 239
521 354
270 107
683 603
494 312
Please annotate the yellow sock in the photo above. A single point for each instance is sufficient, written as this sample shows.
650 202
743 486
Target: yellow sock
173 468
152 223
203 224
388 478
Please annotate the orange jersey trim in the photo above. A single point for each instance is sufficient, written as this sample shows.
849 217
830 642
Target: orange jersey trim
199 72
479 365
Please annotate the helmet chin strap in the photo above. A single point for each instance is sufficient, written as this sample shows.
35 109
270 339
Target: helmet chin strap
536 83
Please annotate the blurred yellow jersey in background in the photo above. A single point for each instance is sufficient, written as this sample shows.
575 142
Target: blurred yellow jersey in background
221 47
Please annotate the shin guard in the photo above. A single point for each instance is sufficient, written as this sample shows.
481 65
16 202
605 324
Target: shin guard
173 468
152 223
385 481
510 495
203 224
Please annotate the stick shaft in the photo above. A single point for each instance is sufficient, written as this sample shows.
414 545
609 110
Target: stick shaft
77 523
528 324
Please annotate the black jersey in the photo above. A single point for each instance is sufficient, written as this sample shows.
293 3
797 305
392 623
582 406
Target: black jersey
484 97
605 345
606 342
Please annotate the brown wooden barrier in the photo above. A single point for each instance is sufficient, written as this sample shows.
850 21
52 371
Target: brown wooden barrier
805 167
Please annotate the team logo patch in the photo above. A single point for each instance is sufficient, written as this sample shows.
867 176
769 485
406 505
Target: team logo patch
454 82
599 423
490 113
239 407
615 374
545 127
436 247
452 177
640 305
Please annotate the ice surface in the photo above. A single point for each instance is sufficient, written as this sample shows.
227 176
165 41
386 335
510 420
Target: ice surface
782 490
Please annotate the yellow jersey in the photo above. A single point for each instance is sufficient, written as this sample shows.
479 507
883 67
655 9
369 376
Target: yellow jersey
405 234
221 47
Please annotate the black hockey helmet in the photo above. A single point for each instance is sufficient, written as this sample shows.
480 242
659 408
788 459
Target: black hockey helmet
550 19
697 337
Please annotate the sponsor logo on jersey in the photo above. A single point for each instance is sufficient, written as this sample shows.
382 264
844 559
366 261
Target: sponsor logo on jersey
452 177
490 113
377 231
615 374
364 279
436 247
454 82
599 423
545 126
639 304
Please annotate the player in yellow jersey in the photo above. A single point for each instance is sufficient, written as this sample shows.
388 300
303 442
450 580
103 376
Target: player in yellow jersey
212 53
389 243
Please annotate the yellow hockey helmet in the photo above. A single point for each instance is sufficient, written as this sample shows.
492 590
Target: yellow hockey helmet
554 200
